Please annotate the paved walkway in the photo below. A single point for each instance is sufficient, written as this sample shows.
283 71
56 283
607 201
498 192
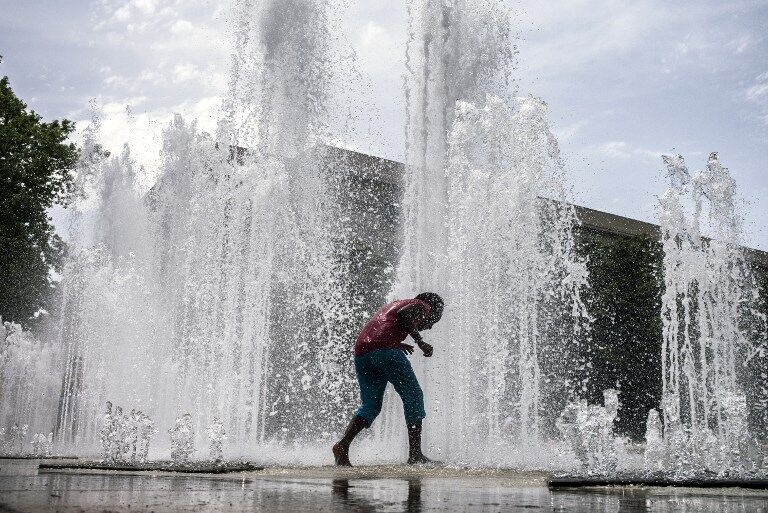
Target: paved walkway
323 489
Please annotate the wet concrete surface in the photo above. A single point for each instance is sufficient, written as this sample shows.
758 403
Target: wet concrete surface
195 467
323 489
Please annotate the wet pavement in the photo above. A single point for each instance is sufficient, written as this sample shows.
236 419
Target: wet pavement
364 489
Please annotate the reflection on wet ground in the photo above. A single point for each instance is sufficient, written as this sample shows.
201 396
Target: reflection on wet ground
299 491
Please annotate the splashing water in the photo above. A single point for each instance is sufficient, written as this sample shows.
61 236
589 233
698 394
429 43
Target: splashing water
589 432
704 348
30 381
222 292
216 435
457 50
477 232
182 440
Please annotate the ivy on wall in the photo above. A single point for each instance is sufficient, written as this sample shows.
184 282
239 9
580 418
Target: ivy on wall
623 350
756 376
624 347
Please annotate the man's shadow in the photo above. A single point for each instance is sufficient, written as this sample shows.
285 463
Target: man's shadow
356 502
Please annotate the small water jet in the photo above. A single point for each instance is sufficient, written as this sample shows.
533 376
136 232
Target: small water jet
589 431
42 445
125 438
30 381
182 440
705 349
654 454
216 435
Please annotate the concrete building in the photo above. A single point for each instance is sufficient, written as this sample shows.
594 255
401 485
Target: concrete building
369 190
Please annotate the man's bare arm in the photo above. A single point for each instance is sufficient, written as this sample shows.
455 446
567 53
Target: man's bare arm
410 315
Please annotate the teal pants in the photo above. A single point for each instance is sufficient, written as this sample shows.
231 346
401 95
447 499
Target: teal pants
376 369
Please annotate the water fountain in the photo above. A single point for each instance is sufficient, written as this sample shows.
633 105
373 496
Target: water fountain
223 291
182 440
30 381
705 348
216 435
230 251
589 431
477 163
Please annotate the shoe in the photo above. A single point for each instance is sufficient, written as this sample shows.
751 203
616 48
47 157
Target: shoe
341 455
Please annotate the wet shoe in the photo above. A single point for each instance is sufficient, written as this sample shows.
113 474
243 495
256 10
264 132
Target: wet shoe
420 459
415 456
341 455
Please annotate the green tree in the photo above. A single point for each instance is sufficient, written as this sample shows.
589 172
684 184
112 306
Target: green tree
36 171
624 299
755 384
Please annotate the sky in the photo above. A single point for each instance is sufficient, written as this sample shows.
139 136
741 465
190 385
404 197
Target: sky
626 81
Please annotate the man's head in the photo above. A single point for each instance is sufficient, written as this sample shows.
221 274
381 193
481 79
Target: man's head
435 303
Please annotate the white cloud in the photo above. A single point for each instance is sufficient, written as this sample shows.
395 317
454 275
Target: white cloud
624 150
741 43
757 95
137 28
615 149
569 131
125 122
151 76
145 6
378 50
586 30
561 36
114 38
184 72
123 13
181 27
118 107
115 81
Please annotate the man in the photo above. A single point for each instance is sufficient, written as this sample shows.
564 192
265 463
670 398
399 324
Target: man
380 359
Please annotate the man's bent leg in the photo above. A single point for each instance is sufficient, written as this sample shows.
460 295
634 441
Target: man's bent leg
372 387
341 449
396 369
401 375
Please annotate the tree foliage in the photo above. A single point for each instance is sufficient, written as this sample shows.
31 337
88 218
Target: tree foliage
624 298
754 317
36 171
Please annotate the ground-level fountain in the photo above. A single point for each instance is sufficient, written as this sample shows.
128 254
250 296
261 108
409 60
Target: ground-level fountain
231 291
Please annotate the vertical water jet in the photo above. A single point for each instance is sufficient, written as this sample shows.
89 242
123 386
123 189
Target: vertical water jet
705 349
476 230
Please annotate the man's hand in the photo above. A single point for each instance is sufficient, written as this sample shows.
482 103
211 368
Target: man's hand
406 348
426 348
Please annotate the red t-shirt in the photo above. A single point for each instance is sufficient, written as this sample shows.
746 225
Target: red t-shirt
383 330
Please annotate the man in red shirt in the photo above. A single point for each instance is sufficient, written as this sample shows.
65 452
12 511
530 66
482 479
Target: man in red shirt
380 359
